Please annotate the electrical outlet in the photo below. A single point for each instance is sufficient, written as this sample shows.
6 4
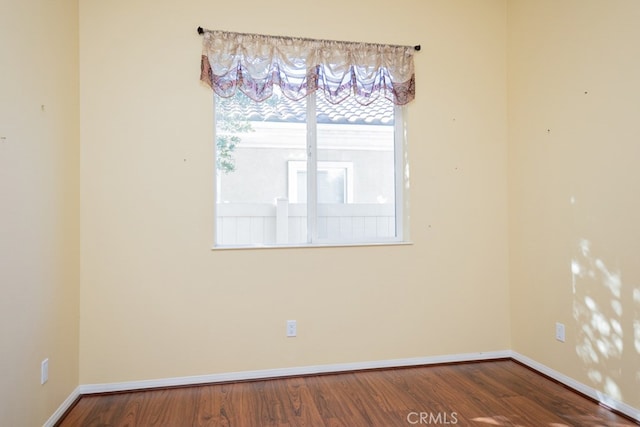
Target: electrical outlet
560 332
44 371
292 328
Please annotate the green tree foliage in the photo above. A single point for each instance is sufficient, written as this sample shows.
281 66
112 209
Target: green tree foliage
231 122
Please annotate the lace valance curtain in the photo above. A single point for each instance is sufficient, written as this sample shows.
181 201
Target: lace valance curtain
254 63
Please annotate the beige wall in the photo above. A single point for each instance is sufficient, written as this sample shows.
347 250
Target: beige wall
39 207
157 302
574 181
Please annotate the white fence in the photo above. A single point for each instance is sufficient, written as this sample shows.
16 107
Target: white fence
286 223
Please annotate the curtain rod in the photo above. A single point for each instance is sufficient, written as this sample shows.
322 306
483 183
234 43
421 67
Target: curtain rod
201 32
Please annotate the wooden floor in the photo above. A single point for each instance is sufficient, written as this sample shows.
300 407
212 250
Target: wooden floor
495 393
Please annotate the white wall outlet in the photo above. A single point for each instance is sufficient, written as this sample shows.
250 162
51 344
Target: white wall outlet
44 371
292 328
560 332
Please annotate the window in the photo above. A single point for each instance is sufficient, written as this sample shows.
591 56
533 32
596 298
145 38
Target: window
335 181
307 155
265 193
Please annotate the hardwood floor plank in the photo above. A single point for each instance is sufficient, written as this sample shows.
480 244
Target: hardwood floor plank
494 393
80 411
330 394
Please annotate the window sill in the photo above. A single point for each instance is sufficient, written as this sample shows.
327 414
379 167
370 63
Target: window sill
298 246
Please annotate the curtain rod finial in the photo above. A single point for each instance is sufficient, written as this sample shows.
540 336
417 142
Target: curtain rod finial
200 30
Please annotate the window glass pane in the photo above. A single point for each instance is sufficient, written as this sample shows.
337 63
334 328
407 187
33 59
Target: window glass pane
262 176
254 143
356 202
331 184
301 193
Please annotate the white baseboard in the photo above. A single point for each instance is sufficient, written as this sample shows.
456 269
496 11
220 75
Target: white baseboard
53 419
343 367
598 396
288 372
267 373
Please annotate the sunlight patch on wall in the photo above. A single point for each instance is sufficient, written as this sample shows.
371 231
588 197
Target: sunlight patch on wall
611 388
609 279
599 342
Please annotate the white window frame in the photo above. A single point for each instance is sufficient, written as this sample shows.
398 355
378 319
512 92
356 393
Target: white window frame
401 177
